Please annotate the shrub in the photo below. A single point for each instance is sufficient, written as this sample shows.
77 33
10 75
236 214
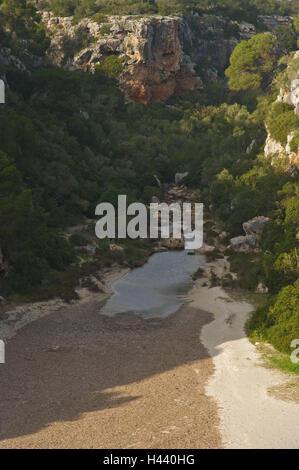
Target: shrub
295 142
111 66
99 18
286 38
296 24
63 7
105 30
78 239
278 321
283 318
149 192
231 29
281 121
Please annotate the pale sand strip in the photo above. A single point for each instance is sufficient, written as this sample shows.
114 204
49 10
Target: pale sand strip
13 319
250 416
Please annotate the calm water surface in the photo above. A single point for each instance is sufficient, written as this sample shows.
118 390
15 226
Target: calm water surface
157 289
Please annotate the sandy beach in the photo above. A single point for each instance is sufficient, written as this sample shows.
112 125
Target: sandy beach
14 318
77 379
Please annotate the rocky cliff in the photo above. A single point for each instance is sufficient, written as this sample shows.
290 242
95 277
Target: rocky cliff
161 56
289 94
274 148
154 64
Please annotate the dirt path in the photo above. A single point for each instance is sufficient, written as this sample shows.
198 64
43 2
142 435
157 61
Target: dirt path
251 417
76 379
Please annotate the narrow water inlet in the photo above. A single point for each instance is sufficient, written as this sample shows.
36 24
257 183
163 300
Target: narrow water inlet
156 289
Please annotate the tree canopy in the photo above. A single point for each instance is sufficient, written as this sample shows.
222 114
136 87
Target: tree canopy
252 63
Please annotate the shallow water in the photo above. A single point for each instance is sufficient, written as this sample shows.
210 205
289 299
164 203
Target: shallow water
157 289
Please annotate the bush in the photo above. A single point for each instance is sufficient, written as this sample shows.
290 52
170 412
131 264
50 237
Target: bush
78 239
278 321
105 30
99 18
296 24
282 121
63 7
295 142
149 192
286 39
111 66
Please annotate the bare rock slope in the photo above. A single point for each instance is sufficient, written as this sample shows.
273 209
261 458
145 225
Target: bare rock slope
160 56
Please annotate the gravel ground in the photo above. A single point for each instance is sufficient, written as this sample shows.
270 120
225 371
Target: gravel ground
77 379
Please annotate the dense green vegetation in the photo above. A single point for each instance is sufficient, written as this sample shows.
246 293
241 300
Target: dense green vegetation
278 320
19 22
238 185
247 10
281 122
73 142
68 140
252 63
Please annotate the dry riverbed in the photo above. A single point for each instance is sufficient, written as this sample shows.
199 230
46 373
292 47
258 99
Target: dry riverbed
14 318
77 379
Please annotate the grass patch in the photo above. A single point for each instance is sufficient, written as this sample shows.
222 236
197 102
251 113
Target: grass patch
285 364
274 358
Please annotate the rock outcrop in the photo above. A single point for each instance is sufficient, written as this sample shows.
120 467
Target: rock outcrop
274 21
161 56
290 96
273 147
253 230
255 226
180 176
22 60
262 288
7 59
154 64
244 243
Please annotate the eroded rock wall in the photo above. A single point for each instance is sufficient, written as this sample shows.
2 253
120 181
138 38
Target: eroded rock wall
161 56
289 95
154 64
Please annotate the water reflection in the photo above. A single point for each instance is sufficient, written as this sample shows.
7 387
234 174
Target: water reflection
157 289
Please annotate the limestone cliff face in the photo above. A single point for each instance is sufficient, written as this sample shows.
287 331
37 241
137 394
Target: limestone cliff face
157 66
289 95
274 148
154 64
23 60
161 56
7 59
